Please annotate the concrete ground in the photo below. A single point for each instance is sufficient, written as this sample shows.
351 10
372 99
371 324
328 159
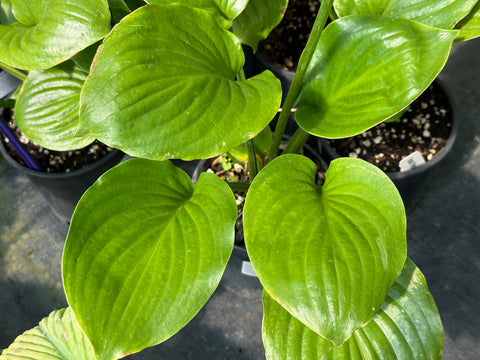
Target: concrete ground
443 238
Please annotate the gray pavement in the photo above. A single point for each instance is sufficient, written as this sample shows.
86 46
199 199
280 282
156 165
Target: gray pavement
443 238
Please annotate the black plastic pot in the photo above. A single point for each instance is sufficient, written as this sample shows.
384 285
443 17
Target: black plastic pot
63 190
410 183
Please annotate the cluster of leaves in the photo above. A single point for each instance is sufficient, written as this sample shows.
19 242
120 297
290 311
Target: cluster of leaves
166 82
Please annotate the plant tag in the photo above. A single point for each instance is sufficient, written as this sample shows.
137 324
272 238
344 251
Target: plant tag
247 269
411 161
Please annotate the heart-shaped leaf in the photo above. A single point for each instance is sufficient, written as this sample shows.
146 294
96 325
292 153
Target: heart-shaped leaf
144 252
258 19
470 25
365 69
48 105
224 10
49 32
159 90
407 326
327 253
442 14
57 337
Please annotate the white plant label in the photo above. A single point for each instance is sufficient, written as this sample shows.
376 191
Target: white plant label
247 269
411 161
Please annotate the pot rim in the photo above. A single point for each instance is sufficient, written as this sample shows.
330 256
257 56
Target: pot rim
114 153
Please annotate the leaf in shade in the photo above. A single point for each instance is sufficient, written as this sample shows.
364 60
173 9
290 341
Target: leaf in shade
407 326
57 337
365 69
145 251
47 33
327 253
257 20
47 108
159 90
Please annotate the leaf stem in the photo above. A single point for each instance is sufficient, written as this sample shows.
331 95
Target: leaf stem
15 72
297 82
296 141
252 160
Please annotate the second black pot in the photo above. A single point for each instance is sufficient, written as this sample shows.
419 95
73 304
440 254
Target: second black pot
63 190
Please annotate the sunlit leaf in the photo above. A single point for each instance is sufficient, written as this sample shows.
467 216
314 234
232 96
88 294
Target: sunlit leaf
144 252
407 326
224 10
327 253
57 337
47 109
366 69
442 14
159 90
49 32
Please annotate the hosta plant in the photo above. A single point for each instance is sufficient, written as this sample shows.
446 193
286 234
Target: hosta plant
147 247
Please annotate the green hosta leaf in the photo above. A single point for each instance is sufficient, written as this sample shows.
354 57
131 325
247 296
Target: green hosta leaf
442 14
50 32
160 90
258 19
57 337
47 108
407 326
328 254
144 252
470 25
224 10
366 69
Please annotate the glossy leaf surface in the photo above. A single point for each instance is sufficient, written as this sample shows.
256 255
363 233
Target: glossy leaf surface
161 91
366 69
224 10
442 14
57 337
47 109
407 326
144 252
49 32
470 25
257 20
327 253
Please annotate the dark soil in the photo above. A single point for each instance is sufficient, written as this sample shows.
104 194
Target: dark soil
285 43
57 161
425 127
